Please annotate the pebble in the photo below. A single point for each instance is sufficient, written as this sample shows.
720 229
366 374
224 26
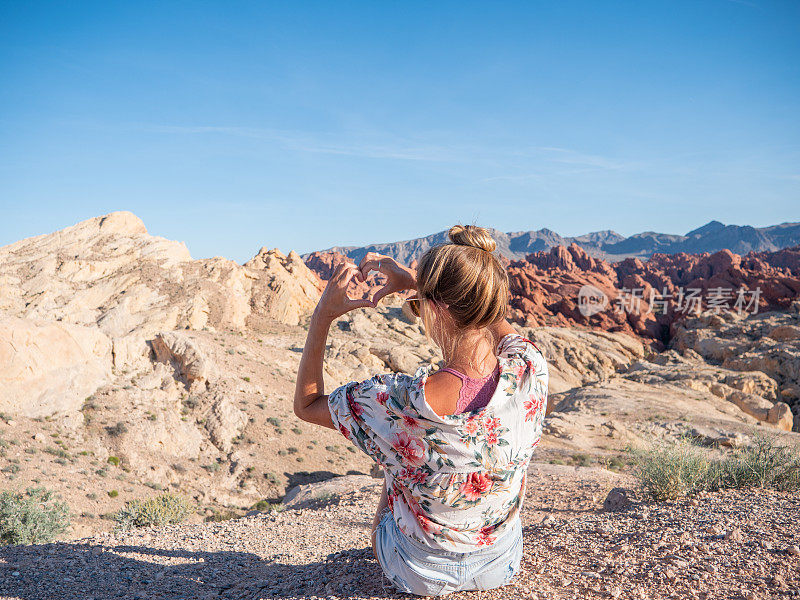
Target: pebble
325 554
734 535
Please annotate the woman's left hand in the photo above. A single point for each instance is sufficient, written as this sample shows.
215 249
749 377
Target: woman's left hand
334 301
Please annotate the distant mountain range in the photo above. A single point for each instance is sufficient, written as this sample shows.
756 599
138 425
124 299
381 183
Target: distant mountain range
608 245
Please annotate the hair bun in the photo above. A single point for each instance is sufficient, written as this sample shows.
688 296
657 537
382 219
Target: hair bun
472 235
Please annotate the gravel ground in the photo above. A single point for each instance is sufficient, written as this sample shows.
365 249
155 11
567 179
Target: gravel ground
723 545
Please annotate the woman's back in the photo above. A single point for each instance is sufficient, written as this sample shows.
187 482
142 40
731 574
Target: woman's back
456 481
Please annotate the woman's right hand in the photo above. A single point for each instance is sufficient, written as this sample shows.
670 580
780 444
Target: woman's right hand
398 277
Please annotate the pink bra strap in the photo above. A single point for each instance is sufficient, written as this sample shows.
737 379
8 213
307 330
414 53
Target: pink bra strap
458 374
474 393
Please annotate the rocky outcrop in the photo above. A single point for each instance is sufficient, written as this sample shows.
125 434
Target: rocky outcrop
111 273
285 290
576 356
225 422
765 343
47 368
108 276
180 351
545 288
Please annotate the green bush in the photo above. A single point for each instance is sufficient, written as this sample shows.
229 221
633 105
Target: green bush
118 429
762 464
673 470
113 460
59 452
670 471
267 506
31 517
153 512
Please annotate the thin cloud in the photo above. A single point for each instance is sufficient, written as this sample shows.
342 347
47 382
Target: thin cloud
395 150
532 163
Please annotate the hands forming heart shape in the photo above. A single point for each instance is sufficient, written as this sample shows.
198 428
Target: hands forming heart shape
336 301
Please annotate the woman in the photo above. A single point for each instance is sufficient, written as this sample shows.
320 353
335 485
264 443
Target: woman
455 444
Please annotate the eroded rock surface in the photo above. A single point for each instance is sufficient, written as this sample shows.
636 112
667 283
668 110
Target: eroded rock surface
49 367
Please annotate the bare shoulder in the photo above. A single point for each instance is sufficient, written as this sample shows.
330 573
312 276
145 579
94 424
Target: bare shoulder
441 393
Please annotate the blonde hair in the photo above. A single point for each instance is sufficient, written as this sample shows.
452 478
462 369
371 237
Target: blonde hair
468 278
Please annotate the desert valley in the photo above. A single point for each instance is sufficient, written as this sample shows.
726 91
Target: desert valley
128 369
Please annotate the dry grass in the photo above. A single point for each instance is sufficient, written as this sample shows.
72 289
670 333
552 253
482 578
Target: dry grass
669 471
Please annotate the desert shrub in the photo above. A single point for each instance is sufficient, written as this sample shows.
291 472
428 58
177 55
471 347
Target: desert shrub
113 494
31 517
117 429
267 506
153 512
764 464
113 460
274 421
59 452
221 515
670 471
11 468
581 460
615 463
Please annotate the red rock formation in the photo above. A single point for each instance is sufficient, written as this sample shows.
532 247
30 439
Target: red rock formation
323 264
545 286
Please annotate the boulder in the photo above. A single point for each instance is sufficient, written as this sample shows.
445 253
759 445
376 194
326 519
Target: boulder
618 500
178 349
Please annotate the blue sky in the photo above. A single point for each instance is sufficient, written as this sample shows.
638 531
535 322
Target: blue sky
301 125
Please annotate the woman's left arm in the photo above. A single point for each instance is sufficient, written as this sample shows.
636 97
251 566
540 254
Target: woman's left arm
310 401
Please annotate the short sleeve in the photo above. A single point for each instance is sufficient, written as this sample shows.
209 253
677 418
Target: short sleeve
364 411
515 346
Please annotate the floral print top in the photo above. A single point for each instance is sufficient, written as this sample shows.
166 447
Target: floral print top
454 482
